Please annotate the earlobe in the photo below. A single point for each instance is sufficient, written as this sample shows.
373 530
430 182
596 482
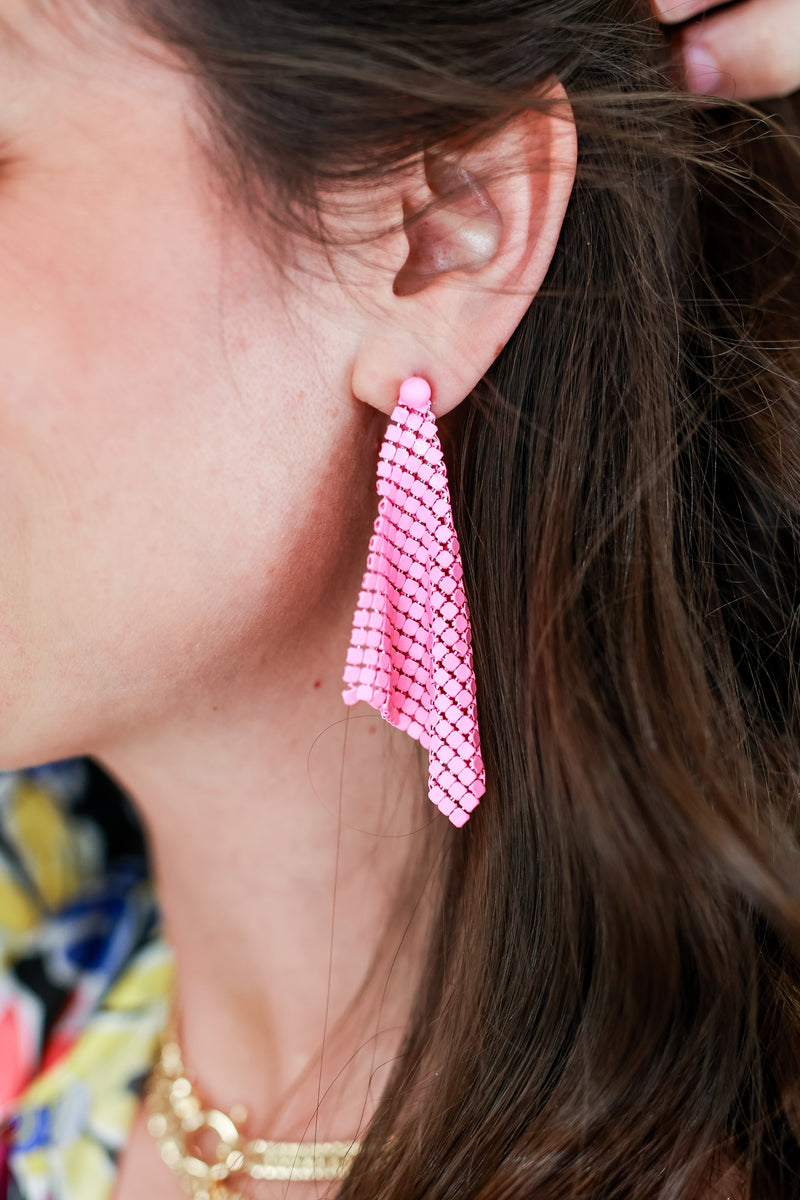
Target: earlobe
481 232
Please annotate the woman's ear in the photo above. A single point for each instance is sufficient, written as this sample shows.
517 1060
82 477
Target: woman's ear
479 232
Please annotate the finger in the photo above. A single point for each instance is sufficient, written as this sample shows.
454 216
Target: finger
750 52
673 12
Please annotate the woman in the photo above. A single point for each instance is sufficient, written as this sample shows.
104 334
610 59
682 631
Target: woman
230 232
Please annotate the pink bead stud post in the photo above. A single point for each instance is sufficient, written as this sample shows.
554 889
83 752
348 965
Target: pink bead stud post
415 393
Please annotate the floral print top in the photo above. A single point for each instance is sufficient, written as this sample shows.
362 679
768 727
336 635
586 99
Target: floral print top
85 980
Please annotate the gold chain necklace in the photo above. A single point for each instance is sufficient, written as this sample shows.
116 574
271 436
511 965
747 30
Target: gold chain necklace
175 1113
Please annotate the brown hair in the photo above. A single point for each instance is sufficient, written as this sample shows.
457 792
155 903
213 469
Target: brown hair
611 1006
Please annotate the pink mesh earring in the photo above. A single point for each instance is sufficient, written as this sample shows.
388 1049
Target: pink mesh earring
410 654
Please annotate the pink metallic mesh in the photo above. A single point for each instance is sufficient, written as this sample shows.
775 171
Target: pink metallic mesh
410 654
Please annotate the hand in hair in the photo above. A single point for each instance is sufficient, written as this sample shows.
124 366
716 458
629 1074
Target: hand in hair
749 51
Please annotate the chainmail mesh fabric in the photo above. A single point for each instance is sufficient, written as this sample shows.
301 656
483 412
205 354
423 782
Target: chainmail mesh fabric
410 655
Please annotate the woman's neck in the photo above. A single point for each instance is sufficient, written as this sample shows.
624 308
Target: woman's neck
288 841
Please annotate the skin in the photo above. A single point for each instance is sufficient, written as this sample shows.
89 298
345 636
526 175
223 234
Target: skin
188 437
748 51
